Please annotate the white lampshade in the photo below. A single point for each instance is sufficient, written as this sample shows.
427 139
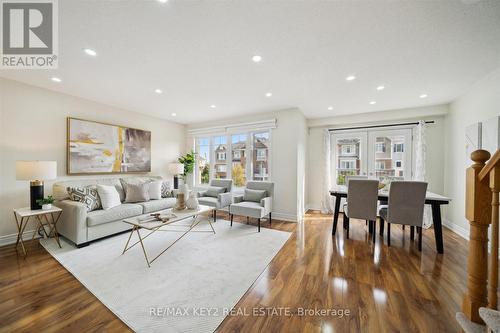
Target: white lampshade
36 170
176 168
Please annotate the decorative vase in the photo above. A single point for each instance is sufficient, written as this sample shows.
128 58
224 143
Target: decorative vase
185 190
46 206
192 202
181 203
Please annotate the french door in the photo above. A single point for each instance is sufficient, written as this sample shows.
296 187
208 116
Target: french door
376 153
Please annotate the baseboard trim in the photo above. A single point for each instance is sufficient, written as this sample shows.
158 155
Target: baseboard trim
284 217
462 232
11 239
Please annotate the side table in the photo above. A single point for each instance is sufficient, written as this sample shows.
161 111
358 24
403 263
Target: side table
23 215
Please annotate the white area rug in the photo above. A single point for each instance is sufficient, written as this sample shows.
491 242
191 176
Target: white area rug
201 272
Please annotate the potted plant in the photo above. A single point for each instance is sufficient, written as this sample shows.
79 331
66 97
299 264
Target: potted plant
46 203
189 161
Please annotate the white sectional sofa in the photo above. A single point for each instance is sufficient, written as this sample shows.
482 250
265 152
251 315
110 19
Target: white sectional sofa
82 227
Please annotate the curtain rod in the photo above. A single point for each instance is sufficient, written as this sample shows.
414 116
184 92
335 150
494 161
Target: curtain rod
376 126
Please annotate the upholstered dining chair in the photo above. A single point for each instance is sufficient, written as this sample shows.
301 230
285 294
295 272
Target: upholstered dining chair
256 201
218 195
362 197
405 206
348 178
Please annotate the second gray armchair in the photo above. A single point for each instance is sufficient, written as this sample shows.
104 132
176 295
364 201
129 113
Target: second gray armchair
256 201
218 195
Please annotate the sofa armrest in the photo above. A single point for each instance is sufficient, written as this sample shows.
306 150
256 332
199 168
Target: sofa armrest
237 198
200 194
225 199
267 203
73 221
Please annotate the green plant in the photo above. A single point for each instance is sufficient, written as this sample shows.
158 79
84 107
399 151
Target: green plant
238 174
189 161
205 175
46 201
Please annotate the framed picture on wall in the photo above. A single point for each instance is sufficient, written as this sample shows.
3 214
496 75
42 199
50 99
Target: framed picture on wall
99 148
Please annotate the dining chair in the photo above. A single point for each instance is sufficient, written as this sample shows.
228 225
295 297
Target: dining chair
362 197
348 178
405 207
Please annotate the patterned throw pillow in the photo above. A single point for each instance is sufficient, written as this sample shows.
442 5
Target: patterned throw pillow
87 195
166 191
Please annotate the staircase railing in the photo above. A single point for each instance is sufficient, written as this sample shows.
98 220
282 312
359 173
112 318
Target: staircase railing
481 210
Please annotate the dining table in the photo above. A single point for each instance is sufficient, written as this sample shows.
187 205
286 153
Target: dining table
433 199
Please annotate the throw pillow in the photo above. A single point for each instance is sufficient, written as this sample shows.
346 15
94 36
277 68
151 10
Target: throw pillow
109 196
166 191
254 195
137 192
87 195
155 189
214 191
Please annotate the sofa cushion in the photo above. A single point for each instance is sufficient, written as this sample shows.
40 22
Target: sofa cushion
113 214
136 192
109 196
214 191
156 205
59 189
254 195
209 201
166 190
87 195
247 208
155 189
136 180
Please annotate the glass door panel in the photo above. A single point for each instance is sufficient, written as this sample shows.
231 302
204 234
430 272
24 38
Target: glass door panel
349 155
389 154
239 159
220 157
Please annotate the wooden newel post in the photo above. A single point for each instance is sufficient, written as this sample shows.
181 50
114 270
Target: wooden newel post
478 212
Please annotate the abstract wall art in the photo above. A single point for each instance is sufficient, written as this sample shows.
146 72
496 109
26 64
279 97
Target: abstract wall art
99 148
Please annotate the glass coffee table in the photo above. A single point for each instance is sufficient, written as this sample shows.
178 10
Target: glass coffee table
150 223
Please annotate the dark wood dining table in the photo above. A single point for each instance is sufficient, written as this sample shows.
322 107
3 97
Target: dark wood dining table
432 199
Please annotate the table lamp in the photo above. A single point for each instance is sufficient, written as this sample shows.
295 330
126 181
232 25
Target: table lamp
176 169
36 172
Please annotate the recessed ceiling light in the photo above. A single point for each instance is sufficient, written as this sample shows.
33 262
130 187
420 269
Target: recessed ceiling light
350 78
373 102
90 52
269 94
256 58
213 106
56 79
380 88
330 108
162 1
174 114
158 91
423 96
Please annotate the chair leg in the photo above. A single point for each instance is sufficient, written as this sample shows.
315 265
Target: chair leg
346 221
370 226
248 219
259 223
412 232
388 234
420 238
381 226
374 222
403 226
270 219
232 220
215 215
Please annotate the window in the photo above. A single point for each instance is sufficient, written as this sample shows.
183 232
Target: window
379 165
380 147
348 149
399 164
203 160
348 164
238 157
398 148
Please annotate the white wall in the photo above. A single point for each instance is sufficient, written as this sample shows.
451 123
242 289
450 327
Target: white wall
287 164
435 143
482 101
33 127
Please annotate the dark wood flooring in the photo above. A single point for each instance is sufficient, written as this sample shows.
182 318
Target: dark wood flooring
385 289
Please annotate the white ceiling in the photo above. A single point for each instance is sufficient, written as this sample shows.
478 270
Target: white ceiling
199 53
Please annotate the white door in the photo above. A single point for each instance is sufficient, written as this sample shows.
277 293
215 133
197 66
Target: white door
390 153
349 155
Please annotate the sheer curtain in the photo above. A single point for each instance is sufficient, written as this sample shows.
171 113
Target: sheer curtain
420 164
326 198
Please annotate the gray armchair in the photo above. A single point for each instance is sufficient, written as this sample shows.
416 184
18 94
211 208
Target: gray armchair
217 196
257 201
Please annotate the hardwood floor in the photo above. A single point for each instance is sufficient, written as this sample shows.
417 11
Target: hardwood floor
386 289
